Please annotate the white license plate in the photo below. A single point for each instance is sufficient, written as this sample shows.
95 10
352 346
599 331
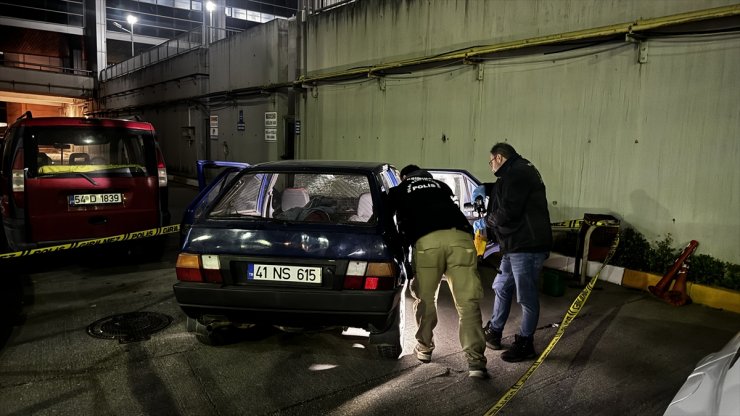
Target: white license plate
278 273
94 199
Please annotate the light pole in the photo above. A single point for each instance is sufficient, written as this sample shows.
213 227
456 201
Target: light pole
131 20
210 6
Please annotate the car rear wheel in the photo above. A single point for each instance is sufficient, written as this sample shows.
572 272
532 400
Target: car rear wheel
389 352
212 334
389 342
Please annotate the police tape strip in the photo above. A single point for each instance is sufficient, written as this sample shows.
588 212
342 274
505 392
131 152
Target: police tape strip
573 311
577 224
169 229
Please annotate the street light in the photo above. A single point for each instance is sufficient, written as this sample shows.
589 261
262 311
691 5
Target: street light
131 20
210 6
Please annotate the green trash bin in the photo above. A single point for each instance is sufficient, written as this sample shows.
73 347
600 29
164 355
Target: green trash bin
553 283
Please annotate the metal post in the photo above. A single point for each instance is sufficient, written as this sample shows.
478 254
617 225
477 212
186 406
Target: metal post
132 39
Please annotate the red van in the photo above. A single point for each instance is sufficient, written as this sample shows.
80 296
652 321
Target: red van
66 179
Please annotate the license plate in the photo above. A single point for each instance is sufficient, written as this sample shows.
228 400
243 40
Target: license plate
94 199
280 273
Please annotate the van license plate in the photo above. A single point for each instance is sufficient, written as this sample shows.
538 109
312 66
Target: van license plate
275 273
94 199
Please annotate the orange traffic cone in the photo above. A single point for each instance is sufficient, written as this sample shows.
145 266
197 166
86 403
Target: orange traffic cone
678 296
664 284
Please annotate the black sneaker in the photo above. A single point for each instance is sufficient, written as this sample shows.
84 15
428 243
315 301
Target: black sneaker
493 338
522 349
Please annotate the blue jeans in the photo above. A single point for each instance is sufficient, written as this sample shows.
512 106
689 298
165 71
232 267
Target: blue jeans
520 272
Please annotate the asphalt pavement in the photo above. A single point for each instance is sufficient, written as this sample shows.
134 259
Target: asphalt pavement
624 353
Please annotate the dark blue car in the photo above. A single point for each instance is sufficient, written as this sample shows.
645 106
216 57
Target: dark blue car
295 244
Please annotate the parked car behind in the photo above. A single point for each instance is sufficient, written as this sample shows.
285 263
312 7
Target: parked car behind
713 388
295 244
67 179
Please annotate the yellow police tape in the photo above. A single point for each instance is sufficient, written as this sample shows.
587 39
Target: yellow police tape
169 229
573 311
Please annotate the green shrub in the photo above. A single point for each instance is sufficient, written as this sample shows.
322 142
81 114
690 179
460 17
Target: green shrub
705 269
731 278
662 255
634 252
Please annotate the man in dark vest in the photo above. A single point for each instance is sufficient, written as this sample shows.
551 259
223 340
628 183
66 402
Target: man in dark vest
442 240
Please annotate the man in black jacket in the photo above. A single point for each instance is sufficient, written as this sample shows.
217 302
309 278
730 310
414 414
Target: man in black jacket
520 221
442 241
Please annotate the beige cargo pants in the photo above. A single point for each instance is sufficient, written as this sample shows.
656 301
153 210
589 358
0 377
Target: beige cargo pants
450 253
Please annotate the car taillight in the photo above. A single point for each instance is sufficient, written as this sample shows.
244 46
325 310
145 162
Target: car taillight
18 179
362 275
198 268
161 170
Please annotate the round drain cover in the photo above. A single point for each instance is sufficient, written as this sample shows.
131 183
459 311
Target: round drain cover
129 327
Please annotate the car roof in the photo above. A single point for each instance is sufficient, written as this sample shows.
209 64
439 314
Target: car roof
82 121
344 165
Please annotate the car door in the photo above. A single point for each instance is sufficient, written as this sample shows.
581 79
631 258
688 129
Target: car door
213 175
462 183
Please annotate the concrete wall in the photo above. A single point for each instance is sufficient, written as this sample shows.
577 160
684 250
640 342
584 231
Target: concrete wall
179 95
655 144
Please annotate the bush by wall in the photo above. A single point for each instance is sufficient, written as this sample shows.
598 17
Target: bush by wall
635 252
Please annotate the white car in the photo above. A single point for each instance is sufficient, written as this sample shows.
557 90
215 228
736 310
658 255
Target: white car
713 388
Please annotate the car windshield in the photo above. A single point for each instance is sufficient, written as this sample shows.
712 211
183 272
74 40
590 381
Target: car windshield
87 150
303 197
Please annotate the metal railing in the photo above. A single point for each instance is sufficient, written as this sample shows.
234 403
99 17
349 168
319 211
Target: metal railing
166 50
40 63
318 6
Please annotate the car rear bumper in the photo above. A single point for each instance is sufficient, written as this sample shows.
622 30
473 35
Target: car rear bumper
289 307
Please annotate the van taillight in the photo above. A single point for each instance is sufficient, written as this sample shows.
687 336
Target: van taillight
161 169
362 275
19 179
197 268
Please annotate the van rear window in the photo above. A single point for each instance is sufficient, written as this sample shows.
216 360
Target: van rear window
55 151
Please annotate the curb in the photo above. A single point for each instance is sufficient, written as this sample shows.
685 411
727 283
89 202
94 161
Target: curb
714 297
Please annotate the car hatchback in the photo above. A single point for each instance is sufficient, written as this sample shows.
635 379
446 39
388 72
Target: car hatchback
296 244
67 179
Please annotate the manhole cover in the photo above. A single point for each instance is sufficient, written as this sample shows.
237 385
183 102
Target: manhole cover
129 327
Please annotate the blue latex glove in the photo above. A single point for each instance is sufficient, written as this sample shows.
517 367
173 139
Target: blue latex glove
479 225
479 192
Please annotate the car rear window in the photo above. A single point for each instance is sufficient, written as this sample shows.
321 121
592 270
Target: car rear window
302 197
96 151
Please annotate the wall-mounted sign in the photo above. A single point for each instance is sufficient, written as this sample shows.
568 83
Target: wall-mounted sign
298 127
271 119
213 123
270 135
240 126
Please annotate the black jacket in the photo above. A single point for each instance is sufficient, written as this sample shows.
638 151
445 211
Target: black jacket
423 205
517 208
